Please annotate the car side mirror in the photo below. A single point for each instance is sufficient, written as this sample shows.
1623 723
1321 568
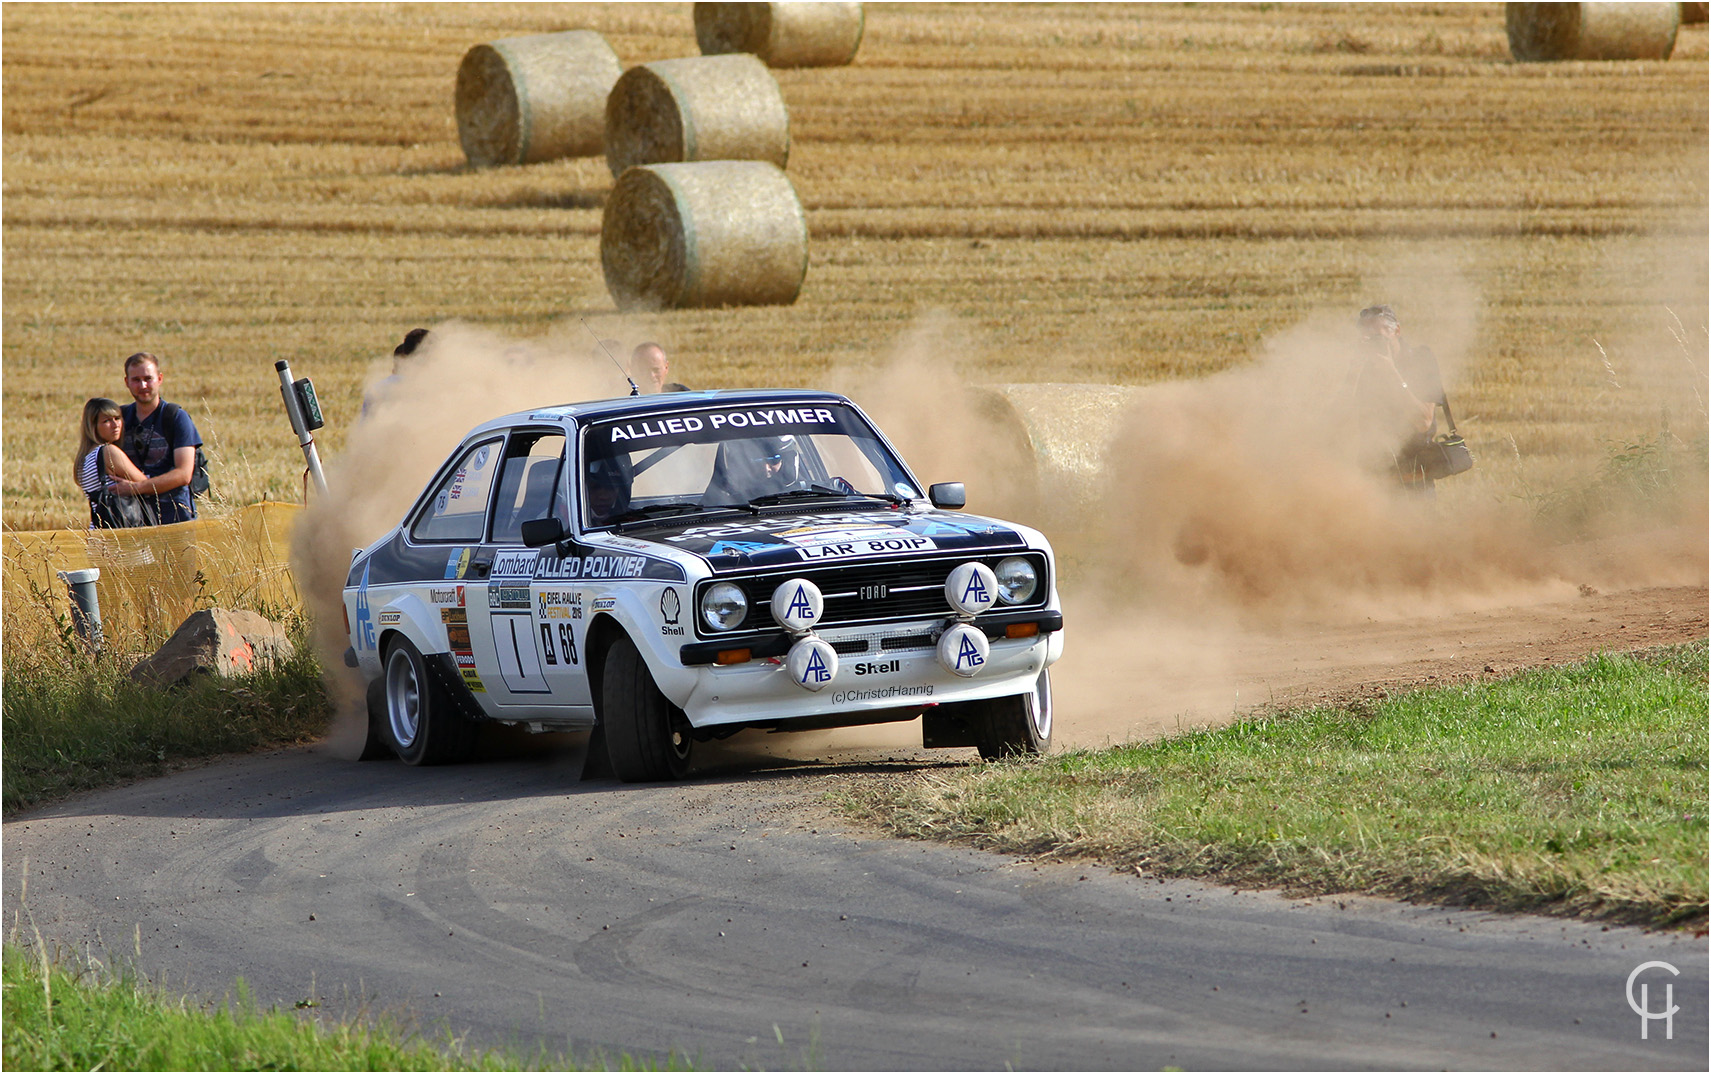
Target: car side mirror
947 494
540 532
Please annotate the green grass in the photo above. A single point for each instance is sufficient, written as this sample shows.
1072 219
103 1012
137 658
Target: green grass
60 1015
71 723
1579 790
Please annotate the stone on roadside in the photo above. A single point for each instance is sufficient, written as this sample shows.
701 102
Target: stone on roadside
219 641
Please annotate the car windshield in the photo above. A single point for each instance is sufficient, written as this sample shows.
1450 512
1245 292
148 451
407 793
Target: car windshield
744 456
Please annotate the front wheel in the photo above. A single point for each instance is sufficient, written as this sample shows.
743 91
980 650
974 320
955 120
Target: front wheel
1019 725
422 725
647 737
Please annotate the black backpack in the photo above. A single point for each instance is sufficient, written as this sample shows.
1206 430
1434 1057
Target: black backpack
198 476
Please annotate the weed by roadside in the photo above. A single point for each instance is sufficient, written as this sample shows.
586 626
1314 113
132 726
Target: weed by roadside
1577 790
75 722
65 1014
1640 481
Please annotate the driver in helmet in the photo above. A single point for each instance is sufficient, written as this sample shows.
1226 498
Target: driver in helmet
607 491
761 467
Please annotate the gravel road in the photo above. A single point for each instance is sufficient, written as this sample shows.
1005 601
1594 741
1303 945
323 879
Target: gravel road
736 919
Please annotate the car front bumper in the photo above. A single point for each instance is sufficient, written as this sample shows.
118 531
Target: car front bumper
762 691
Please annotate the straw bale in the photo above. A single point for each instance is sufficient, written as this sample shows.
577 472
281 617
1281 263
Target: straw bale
716 233
784 35
1695 13
526 99
1543 32
1061 432
699 108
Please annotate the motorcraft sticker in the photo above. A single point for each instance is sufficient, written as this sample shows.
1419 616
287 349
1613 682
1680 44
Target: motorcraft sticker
444 598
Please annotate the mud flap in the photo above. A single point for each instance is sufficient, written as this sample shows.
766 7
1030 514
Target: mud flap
374 747
595 763
943 727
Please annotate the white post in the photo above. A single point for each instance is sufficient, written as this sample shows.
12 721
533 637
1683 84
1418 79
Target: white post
305 437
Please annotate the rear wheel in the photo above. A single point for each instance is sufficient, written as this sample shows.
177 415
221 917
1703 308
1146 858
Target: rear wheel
647 737
422 725
1015 726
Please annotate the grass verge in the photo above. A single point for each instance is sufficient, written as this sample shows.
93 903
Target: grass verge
1578 790
64 1016
76 724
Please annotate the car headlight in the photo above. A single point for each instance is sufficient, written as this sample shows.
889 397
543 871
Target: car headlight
1017 580
723 606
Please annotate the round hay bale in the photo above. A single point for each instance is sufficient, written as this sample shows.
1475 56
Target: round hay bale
1695 13
700 108
1064 429
527 99
717 233
784 35
1545 32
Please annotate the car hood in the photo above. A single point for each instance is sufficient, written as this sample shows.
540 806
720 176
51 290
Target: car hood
787 539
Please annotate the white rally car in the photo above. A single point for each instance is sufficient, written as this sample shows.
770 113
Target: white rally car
674 568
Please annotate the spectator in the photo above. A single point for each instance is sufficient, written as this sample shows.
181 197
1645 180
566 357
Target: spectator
1393 415
413 340
161 440
650 368
100 460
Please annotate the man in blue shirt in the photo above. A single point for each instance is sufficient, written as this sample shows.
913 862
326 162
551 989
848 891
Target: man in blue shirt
161 439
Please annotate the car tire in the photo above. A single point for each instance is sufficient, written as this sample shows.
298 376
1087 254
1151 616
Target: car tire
647 737
422 726
1015 726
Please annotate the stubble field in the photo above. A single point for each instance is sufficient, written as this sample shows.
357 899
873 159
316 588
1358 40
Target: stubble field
1055 193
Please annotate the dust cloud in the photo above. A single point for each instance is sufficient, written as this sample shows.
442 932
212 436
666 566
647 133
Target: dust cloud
460 376
1196 523
1199 523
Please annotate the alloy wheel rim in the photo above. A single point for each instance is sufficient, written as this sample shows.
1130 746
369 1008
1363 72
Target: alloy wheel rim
403 698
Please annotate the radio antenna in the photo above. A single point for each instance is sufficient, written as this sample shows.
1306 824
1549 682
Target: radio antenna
633 389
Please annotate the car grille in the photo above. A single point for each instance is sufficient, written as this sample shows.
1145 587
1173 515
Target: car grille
861 594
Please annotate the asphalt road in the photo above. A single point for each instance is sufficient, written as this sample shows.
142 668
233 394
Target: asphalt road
734 919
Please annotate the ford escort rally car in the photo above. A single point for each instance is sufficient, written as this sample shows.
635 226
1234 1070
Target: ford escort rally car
670 569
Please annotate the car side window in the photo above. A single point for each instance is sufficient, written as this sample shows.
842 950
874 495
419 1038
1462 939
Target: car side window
528 484
457 510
